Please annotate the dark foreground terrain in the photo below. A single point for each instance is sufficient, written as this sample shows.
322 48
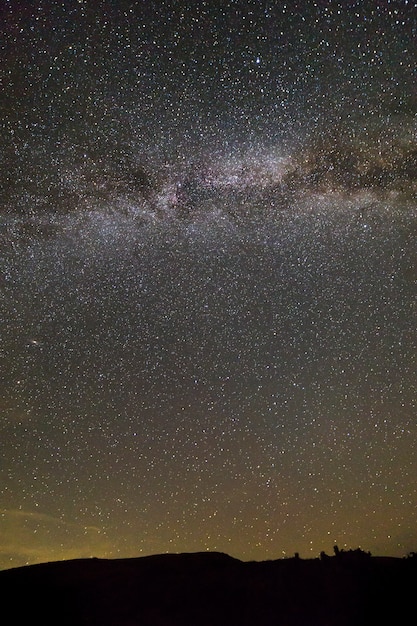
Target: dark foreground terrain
213 589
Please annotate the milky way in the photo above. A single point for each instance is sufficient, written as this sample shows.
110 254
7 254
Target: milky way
208 288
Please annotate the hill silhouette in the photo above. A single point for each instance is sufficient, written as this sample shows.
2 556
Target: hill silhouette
202 589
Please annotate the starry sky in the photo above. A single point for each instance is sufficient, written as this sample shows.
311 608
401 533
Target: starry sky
208 278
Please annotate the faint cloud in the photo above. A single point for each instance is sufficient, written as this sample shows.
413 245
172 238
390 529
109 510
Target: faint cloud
28 537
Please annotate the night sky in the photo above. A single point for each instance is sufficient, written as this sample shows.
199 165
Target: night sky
208 278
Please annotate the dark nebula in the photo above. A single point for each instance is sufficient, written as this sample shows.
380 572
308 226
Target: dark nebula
208 278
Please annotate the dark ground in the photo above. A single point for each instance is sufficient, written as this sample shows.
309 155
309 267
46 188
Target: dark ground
213 589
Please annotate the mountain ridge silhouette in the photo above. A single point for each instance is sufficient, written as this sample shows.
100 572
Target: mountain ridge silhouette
211 588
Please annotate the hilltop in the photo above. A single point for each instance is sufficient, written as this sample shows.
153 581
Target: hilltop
202 589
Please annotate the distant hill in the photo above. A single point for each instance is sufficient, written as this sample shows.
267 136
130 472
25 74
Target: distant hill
213 589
